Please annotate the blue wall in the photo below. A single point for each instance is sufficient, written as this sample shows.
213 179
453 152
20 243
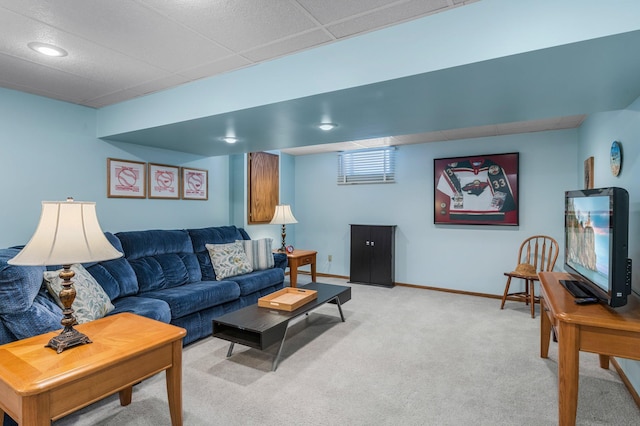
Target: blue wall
468 258
596 135
49 152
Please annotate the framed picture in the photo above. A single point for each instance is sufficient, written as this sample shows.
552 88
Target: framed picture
476 190
126 179
195 184
164 181
588 173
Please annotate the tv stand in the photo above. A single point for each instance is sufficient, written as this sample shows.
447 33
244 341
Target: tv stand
590 328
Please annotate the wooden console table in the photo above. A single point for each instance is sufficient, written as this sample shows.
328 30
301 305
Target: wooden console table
300 258
38 385
589 328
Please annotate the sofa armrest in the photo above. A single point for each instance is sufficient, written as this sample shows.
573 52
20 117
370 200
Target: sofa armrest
280 260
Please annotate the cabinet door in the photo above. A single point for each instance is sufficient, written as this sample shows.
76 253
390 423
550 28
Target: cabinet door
381 241
263 187
360 254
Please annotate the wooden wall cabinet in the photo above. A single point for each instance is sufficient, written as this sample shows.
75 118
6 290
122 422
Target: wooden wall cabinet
373 254
263 187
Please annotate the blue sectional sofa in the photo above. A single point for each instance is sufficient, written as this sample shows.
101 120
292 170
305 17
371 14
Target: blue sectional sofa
166 275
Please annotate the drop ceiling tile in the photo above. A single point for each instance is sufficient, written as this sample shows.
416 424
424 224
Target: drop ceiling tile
289 45
160 84
238 24
326 11
218 67
34 78
112 98
387 16
126 27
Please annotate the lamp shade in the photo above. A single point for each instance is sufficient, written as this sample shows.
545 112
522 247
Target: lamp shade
68 232
283 215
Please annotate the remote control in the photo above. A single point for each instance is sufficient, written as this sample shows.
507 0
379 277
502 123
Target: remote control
586 300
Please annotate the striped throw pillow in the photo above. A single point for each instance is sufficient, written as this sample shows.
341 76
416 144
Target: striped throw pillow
259 253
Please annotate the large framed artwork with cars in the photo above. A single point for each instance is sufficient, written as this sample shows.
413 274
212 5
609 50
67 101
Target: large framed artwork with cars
476 190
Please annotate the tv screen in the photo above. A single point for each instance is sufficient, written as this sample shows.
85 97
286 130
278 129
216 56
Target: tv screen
596 240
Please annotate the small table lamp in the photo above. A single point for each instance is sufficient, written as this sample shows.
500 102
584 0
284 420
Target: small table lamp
68 233
282 216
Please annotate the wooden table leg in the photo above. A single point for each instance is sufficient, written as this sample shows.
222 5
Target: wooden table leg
568 371
313 270
293 274
174 385
36 410
604 361
545 330
125 396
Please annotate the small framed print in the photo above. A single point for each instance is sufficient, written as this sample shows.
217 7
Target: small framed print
164 181
476 190
195 184
126 179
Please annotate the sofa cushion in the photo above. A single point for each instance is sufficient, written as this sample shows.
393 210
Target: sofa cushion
190 298
145 306
212 235
258 280
228 260
259 253
116 276
6 335
160 259
41 317
91 301
19 285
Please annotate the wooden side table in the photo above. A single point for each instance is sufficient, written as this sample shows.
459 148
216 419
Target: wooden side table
37 385
300 258
590 328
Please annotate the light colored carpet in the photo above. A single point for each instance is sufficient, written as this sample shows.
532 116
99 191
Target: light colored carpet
404 356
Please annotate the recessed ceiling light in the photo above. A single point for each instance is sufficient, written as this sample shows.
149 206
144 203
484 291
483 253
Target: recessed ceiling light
47 49
327 126
230 139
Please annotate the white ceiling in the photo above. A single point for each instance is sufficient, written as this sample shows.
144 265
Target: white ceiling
123 49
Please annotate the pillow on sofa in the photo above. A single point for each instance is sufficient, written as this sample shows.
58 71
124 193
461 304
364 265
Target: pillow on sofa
259 253
91 300
228 260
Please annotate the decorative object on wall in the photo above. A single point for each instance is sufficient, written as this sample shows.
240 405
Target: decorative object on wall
283 216
195 184
68 233
616 158
476 190
588 173
164 181
126 179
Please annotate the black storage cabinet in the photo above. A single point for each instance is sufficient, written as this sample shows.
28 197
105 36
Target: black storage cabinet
372 254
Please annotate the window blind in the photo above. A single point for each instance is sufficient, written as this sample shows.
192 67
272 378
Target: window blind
366 166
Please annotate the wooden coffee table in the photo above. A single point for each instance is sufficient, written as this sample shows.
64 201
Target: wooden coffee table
260 328
38 385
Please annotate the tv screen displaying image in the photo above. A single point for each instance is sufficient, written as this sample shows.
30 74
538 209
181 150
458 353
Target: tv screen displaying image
589 238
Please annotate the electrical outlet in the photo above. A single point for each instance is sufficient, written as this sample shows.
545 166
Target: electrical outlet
330 258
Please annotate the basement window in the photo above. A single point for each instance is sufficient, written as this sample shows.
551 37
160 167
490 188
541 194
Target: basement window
367 166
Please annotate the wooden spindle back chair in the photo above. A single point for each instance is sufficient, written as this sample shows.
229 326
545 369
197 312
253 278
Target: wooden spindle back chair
537 253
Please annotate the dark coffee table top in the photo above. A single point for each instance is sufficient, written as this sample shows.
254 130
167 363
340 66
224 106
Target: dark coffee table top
259 319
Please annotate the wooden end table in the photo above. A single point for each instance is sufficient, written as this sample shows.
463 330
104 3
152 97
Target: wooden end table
38 385
590 328
300 258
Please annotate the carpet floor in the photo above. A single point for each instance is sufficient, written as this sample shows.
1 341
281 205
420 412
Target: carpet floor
404 356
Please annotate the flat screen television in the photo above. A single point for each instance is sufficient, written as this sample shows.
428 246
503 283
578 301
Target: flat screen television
596 242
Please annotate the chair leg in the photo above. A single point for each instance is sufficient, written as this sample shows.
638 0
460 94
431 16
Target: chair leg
526 292
506 292
532 297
